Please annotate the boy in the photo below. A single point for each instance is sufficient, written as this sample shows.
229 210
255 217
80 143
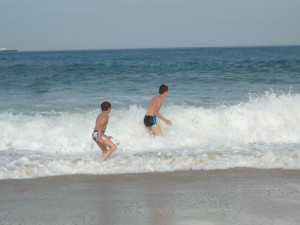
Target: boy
153 111
102 140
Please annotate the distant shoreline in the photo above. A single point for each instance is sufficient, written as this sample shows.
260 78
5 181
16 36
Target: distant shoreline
162 48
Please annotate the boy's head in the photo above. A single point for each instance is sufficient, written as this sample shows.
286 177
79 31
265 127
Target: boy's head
105 106
163 88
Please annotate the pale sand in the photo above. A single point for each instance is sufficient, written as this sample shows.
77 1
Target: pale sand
239 196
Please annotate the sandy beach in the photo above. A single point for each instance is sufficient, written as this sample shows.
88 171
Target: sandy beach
239 196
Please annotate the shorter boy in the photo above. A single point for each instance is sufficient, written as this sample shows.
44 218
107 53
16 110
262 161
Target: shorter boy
102 140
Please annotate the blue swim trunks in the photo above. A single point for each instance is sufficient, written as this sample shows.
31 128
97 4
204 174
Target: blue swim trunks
149 121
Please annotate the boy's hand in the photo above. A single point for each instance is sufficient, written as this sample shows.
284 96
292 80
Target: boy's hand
169 122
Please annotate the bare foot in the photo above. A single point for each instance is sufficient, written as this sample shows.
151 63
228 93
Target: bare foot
104 152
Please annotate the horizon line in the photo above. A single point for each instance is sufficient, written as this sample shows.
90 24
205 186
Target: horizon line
154 48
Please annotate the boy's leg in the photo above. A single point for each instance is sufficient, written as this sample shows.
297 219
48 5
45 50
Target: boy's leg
149 130
102 147
156 130
111 146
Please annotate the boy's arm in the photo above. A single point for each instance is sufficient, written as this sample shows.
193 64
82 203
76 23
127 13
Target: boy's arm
156 113
163 118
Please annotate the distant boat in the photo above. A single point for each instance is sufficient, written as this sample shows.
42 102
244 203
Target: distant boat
8 50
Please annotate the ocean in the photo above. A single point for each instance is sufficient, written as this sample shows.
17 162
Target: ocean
230 108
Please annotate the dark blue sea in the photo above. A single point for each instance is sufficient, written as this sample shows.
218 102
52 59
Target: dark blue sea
230 108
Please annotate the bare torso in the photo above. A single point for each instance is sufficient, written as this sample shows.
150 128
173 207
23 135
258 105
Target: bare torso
101 122
154 106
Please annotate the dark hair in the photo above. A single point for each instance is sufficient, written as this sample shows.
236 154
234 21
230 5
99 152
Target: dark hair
105 106
163 88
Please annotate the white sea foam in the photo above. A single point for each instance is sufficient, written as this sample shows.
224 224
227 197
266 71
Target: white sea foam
261 133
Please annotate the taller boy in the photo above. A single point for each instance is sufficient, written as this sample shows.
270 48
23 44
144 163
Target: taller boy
153 111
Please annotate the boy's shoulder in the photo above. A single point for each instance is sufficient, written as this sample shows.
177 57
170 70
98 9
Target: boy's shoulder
100 115
156 97
103 115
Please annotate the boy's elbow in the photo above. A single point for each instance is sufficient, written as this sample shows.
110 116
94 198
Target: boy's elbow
156 114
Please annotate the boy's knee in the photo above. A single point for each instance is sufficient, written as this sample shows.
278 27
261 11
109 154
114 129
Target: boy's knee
113 147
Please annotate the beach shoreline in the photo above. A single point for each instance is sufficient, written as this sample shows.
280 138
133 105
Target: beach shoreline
234 196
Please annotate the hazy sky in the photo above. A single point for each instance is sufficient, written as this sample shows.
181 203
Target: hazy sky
113 24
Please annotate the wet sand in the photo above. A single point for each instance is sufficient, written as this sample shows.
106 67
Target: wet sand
239 196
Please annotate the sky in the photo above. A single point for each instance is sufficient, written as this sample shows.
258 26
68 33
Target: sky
36 25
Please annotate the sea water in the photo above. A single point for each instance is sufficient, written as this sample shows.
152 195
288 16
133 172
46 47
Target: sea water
230 107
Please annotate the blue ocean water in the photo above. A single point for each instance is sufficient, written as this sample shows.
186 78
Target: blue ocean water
230 107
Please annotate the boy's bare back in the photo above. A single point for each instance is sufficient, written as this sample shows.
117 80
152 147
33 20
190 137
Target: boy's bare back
101 122
154 105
